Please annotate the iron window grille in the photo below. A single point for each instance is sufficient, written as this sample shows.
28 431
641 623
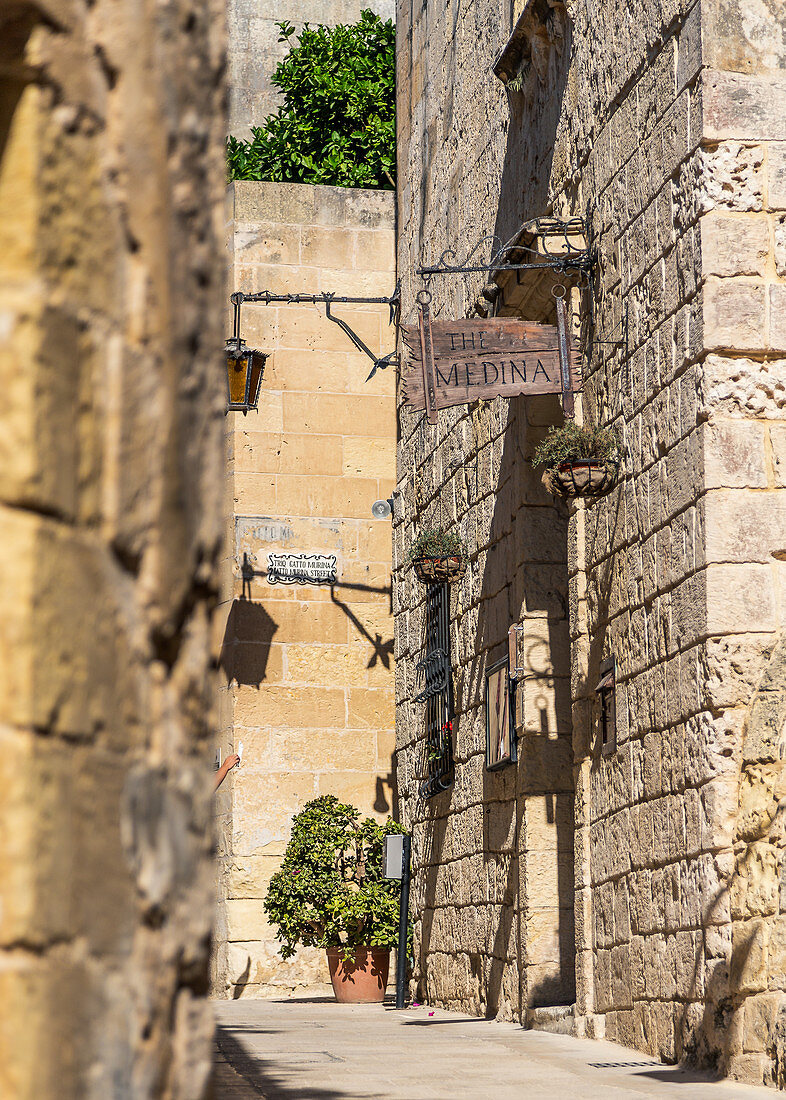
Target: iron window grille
437 694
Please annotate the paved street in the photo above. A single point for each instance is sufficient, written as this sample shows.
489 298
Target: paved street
319 1050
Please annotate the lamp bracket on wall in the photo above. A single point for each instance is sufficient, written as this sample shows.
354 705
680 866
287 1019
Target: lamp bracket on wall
547 244
515 671
328 299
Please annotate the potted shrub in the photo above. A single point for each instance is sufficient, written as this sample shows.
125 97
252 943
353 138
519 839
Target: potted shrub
438 556
329 892
580 461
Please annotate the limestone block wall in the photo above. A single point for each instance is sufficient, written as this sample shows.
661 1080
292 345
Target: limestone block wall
676 573
111 288
647 876
493 856
255 49
307 670
660 124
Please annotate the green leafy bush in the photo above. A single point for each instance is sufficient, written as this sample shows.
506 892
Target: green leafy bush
576 443
329 890
337 124
437 543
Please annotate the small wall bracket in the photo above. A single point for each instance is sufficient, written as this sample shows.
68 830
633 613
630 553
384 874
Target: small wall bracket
515 671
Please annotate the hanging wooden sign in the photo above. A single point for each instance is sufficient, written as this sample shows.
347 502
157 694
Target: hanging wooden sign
499 357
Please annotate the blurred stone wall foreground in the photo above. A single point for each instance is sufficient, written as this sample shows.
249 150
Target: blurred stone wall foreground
111 283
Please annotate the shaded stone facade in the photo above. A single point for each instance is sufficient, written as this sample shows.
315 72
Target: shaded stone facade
307 669
111 289
662 124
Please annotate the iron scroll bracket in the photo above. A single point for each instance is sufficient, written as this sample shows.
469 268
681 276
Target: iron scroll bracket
436 674
328 299
489 254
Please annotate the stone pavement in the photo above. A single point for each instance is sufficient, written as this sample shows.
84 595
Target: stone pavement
318 1050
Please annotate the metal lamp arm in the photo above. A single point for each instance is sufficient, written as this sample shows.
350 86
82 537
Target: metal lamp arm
379 364
267 298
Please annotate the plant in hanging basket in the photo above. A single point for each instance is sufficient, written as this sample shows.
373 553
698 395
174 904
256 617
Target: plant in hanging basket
438 556
580 461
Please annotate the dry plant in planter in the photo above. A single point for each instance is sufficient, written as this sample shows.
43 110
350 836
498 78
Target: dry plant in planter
580 461
438 556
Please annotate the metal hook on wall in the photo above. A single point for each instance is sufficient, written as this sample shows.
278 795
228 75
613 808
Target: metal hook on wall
563 342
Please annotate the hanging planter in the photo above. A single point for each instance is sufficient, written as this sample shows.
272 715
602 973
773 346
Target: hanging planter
438 557
580 461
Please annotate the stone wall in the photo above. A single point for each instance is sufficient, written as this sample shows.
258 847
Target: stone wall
676 573
660 122
308 670
255 49
493 887
111 283
492 893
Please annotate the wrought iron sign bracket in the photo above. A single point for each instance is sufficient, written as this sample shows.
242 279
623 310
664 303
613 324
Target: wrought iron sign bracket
515 672
328 299
507 257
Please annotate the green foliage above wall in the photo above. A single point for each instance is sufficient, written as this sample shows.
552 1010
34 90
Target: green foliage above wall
337 124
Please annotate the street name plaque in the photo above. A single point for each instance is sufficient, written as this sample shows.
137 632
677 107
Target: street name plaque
301 569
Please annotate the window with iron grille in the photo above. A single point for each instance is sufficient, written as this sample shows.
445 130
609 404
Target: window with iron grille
436 694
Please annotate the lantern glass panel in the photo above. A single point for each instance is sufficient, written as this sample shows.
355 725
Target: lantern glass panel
257 366
237 376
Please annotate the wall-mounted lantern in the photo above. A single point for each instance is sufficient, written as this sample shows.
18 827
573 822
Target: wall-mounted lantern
244 375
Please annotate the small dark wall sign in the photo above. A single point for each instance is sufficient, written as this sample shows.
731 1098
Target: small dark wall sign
301 569
500 357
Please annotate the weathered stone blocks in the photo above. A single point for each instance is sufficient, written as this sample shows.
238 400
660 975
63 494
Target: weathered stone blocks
309 669
111 507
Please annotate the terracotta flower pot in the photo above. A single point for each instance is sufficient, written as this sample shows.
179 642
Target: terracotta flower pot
438 570
363 978
581 479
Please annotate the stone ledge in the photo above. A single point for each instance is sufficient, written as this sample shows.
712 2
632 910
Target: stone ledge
557 1019
310 204
537 30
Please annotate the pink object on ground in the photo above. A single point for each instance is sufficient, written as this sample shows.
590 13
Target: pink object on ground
363 978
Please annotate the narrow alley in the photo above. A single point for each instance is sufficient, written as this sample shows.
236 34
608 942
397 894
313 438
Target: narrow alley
314 1049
